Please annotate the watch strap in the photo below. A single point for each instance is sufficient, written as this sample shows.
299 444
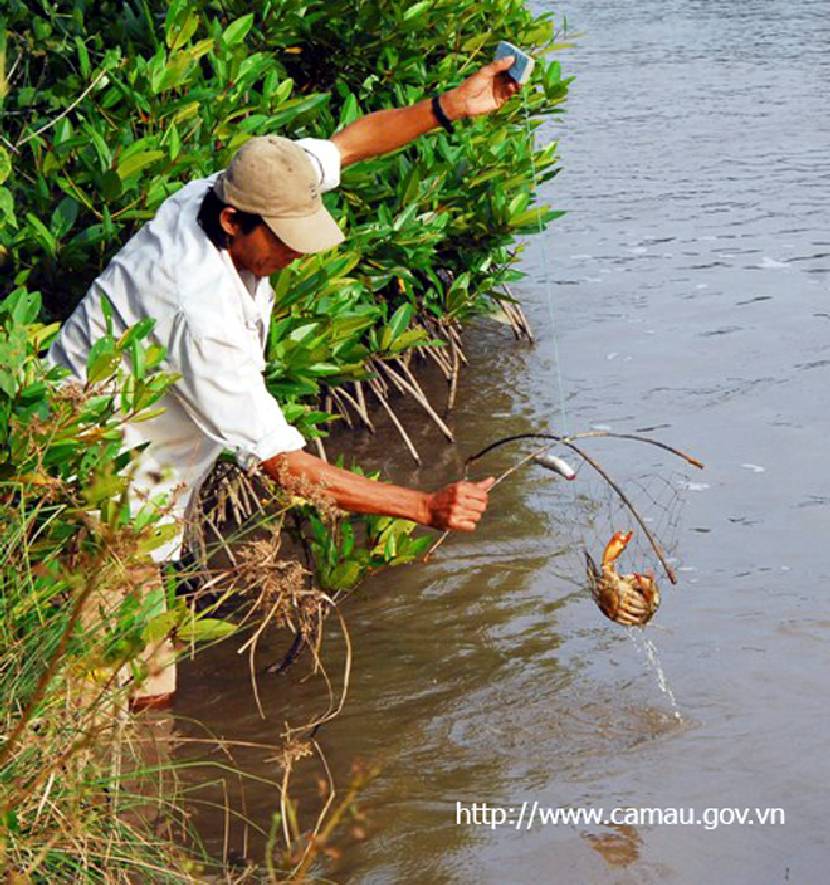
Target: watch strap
440 116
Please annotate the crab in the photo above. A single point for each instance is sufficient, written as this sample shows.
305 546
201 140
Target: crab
630 600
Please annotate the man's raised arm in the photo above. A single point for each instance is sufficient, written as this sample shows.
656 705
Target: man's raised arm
384 131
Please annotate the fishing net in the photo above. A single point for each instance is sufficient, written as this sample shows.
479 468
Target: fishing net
610 492
593 513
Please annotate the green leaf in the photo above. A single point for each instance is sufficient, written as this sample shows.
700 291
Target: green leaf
136 162
476 42
137 332
180 27
161 626
400 320
534 220
24 307
102 361
137 360
83 58
186 112
41 336
106 310
8 383
103 488
176 71
111 185
236 31
349 112
5 164
7 207
153 356
344 576
205 630
416 546
64 217
417 9
102 367
147 415
301 334
347 536
283 91
102 151
43 235
407 339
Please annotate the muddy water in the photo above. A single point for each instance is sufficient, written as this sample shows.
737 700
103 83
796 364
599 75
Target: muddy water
691 291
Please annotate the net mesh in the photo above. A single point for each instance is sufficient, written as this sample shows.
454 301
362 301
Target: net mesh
637 489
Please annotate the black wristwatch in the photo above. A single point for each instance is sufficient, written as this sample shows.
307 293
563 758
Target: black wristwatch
440 116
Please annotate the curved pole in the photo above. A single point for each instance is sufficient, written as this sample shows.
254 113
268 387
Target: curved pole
596 434
588 434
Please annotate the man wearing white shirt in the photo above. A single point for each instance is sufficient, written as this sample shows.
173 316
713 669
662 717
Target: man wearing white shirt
200 269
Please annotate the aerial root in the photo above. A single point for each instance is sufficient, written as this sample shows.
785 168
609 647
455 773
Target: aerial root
378 391
406 383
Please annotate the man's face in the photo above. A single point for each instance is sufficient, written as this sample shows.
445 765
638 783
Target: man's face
259 251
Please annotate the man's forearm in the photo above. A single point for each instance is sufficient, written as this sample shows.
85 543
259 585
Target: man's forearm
385 131
456 506
350 491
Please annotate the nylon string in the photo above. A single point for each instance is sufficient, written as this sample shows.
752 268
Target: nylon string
546 270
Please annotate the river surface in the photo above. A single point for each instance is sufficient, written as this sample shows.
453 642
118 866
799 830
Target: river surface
691 293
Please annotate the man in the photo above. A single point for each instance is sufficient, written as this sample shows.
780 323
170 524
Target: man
200 269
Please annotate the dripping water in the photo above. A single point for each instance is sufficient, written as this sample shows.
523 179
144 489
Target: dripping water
648 651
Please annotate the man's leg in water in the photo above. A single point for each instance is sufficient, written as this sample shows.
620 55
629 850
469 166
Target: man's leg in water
159 686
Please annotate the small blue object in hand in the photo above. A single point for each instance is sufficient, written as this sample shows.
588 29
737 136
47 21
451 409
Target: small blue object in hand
522 67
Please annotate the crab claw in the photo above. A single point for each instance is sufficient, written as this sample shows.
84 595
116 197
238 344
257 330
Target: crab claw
614 548
643 582
647 585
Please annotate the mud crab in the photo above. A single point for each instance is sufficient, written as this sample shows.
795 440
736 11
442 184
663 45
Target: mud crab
630 600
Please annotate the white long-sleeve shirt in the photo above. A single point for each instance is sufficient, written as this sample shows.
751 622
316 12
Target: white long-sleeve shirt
213 322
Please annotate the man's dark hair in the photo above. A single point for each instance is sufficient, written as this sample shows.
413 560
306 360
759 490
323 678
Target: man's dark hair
209 221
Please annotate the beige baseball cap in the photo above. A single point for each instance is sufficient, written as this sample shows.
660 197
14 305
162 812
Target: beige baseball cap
275 178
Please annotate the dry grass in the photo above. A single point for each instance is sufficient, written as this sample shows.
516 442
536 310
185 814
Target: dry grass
85 794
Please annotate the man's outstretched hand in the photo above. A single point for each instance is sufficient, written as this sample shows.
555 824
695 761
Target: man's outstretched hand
389 129
459 505
456 506
482 93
